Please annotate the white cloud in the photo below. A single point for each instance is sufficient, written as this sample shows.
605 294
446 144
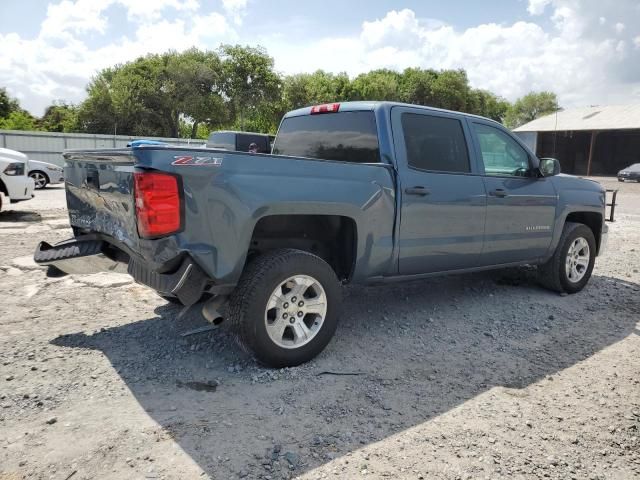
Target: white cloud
588 54
58 64
236 9
68 17
537 7
149 10
580 58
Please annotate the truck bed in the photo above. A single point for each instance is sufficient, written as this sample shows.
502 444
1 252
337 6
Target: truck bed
224 194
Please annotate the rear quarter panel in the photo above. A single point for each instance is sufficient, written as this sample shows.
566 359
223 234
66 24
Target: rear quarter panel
225 198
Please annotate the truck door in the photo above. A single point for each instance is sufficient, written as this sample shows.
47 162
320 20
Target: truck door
443 199
521 206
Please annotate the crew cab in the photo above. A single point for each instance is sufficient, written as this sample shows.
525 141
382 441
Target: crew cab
14 182
358 192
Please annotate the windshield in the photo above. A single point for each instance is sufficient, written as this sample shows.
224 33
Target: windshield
633 168
344 136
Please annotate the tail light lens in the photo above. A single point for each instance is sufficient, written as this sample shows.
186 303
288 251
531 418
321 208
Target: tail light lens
158 204
14 169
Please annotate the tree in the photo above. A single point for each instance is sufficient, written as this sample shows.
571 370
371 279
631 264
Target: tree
380 84
487 105
416 86
196 80
59 117
531 106
450 89
19 120
154 94
7 104
249 79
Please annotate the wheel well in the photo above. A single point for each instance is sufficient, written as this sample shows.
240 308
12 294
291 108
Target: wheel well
331 237
593 220
3 188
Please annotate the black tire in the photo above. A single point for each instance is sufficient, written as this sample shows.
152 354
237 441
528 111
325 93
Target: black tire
553 274
46 179
248 303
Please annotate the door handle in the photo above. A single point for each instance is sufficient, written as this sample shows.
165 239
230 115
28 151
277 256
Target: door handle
498 192
421 191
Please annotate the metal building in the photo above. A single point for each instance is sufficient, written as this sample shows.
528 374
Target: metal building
48 146
587 141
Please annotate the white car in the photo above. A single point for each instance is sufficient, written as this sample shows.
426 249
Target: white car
15 184
44 173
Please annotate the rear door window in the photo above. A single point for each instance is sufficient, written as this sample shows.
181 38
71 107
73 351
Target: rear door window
345 136
435 143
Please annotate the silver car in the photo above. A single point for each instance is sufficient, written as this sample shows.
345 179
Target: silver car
44 173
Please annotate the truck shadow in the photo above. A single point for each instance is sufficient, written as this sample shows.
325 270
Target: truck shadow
403 354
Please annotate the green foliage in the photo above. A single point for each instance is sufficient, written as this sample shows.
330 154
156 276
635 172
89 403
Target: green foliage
191 93
7 104
376 85
19 120
59 117
249 79
530 107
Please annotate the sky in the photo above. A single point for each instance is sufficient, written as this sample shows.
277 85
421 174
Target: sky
587 51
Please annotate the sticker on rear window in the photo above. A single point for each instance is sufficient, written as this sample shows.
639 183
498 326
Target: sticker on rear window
189 160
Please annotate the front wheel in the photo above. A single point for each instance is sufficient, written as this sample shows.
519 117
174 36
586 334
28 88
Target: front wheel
571 266
285 308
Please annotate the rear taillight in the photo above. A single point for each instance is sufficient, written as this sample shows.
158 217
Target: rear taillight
158 204
14 169
326 108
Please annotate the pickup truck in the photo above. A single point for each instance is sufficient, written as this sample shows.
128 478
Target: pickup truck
358 192
240 141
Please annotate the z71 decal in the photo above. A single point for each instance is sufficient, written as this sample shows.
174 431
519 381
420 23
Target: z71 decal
189 160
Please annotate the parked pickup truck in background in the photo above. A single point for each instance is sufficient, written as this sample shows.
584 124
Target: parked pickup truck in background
240 141
363 192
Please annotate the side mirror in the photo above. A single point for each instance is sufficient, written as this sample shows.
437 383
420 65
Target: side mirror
549 167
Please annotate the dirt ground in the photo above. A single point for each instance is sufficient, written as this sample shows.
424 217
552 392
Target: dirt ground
462 377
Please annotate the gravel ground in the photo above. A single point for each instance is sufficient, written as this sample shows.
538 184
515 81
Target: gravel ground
461 377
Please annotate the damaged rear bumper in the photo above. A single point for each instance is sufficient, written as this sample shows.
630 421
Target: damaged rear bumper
186 281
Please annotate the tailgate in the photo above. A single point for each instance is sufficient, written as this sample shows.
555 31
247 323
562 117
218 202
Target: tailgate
100 196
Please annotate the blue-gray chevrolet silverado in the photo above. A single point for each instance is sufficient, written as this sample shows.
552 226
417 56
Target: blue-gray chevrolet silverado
362 192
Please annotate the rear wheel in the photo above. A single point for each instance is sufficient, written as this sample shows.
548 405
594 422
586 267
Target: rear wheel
571 266
41 180
285 308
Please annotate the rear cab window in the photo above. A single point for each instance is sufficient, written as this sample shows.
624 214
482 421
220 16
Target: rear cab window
343 136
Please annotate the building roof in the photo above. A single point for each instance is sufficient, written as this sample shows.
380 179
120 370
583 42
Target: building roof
607 117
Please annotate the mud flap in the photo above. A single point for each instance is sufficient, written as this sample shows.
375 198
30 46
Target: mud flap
187 283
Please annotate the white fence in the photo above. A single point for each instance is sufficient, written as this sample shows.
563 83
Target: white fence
48 146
